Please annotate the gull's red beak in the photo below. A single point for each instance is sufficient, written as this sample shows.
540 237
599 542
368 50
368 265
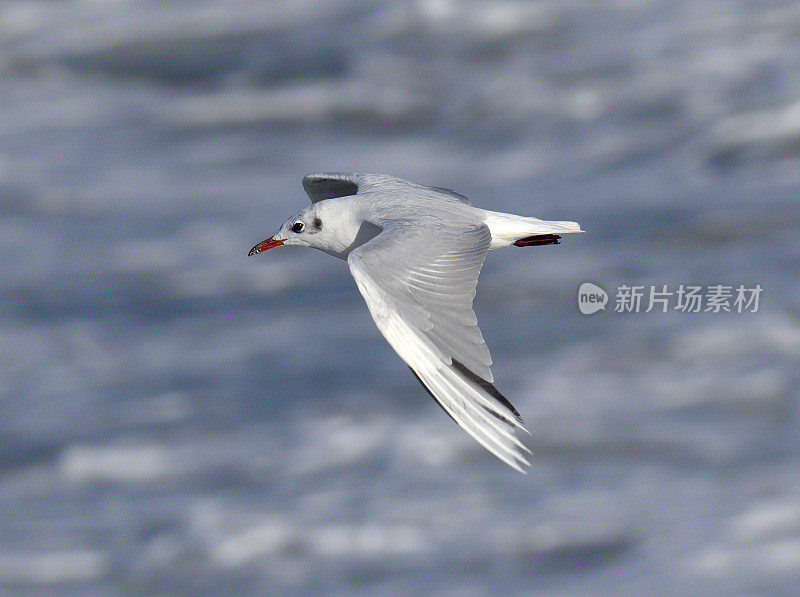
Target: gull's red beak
264 245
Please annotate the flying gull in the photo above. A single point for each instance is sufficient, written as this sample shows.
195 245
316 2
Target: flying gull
415 253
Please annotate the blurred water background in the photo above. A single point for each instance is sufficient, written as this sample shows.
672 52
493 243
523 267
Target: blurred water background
176 418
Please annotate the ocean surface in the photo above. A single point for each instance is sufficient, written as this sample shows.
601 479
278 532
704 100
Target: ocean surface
176 418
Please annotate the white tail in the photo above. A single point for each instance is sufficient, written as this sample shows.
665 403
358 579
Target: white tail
507 229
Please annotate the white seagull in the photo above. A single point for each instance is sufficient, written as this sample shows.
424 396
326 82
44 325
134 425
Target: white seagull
415 253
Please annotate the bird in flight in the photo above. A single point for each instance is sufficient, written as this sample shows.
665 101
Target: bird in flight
415 253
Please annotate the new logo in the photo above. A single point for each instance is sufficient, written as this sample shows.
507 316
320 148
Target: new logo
591 298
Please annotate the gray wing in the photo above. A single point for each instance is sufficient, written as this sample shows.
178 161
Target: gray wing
327 185
419 285
450 193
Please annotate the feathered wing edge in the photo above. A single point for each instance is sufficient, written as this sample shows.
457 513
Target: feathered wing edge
327 185
476 409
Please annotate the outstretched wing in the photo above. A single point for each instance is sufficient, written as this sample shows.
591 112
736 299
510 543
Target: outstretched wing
419 285
327 185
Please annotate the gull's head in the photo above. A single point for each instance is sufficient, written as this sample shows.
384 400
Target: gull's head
317 226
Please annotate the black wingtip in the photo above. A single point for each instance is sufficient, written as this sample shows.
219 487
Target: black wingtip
488 388
481 383
328 186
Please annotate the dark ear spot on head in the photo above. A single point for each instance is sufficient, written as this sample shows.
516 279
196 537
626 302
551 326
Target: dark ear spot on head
317 223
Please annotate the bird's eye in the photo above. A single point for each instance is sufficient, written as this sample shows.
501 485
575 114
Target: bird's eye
297 227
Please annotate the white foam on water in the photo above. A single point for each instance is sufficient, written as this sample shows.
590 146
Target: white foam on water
368 541
53 568
261 539
120 463
338 441
766 519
